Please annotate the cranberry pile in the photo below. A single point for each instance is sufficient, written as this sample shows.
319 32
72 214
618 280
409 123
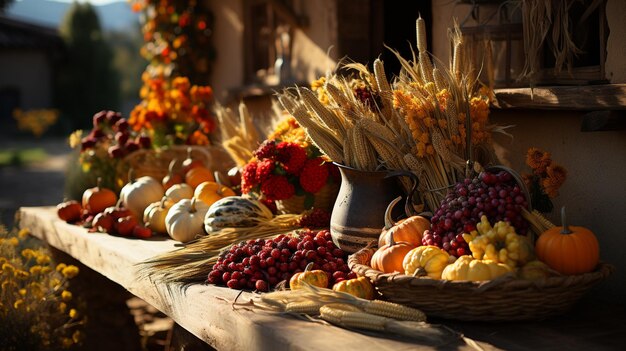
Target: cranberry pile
261 264
495 195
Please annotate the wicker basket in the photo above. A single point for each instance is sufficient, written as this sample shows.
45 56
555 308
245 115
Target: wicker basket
324 199
502 299
155 163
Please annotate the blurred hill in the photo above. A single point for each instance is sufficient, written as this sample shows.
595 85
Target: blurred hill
115 16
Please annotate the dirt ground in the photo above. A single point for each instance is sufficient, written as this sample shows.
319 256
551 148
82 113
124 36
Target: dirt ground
42 184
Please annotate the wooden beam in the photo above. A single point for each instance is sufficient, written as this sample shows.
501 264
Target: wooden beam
585 98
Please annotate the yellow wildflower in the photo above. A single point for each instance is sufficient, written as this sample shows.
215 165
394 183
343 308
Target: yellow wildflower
43 259
61 267
62 307
28 253
75 138
77 336
421 149
24 232
70 271
20 274
66 295
18 304
22 292
8 268
13 241
34 270
46 270
8 285
66 343
73 313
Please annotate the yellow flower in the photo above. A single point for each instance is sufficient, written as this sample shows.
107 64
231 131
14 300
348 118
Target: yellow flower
22 292
18 304
66 343
46 270
70 271
28 253
61 267
24 232
36 269
75 138
62 307
8 268
73 313
43 259
8 285
20 274
66 295
13 241
77 336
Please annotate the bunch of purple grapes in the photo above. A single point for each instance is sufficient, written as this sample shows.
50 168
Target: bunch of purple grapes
113 131
495 195
261 264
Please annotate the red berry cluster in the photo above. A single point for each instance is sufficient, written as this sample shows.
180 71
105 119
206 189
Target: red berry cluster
112 130
261 264
316 218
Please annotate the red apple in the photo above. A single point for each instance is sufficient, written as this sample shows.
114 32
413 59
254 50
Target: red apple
103 223
125 225
69 211
142 232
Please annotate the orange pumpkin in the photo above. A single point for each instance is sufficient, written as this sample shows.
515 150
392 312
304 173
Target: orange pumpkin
172 177
409 229
96 199
210 192
359 287
568 249
198 175
314 277
388 258
189 163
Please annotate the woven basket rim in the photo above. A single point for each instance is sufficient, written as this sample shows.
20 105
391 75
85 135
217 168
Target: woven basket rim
356 262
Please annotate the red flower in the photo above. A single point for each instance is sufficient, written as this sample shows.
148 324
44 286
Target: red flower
314 175
277 188
265 150
248 177
264 169
292 155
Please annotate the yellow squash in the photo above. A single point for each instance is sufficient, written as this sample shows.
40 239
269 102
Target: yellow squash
468 268
359 287
426 261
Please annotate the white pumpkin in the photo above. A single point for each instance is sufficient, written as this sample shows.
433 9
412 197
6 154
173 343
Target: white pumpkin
154 215
178 192
185 220
139 193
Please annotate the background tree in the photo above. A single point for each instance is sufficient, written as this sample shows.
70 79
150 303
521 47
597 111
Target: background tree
87 81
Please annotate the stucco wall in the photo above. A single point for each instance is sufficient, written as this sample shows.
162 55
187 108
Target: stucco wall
228 69
29 72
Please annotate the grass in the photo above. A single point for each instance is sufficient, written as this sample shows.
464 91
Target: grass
12 157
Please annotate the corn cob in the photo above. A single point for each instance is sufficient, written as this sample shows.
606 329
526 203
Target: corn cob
376 129
311 307
440 82
389 154
337 95
324 114
426 67
381 78
364 153
352 319
347 148
393 310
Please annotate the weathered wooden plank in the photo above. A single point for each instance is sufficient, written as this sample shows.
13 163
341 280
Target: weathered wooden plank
204 310
584 97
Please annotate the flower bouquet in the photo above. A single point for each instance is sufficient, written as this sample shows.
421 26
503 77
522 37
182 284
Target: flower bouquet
291 172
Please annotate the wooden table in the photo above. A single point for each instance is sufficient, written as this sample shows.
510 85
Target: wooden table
207 312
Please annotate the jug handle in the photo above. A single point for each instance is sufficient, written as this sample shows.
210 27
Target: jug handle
408 207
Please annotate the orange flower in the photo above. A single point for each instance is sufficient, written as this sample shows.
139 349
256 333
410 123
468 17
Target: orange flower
556 176
538 160
198 138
